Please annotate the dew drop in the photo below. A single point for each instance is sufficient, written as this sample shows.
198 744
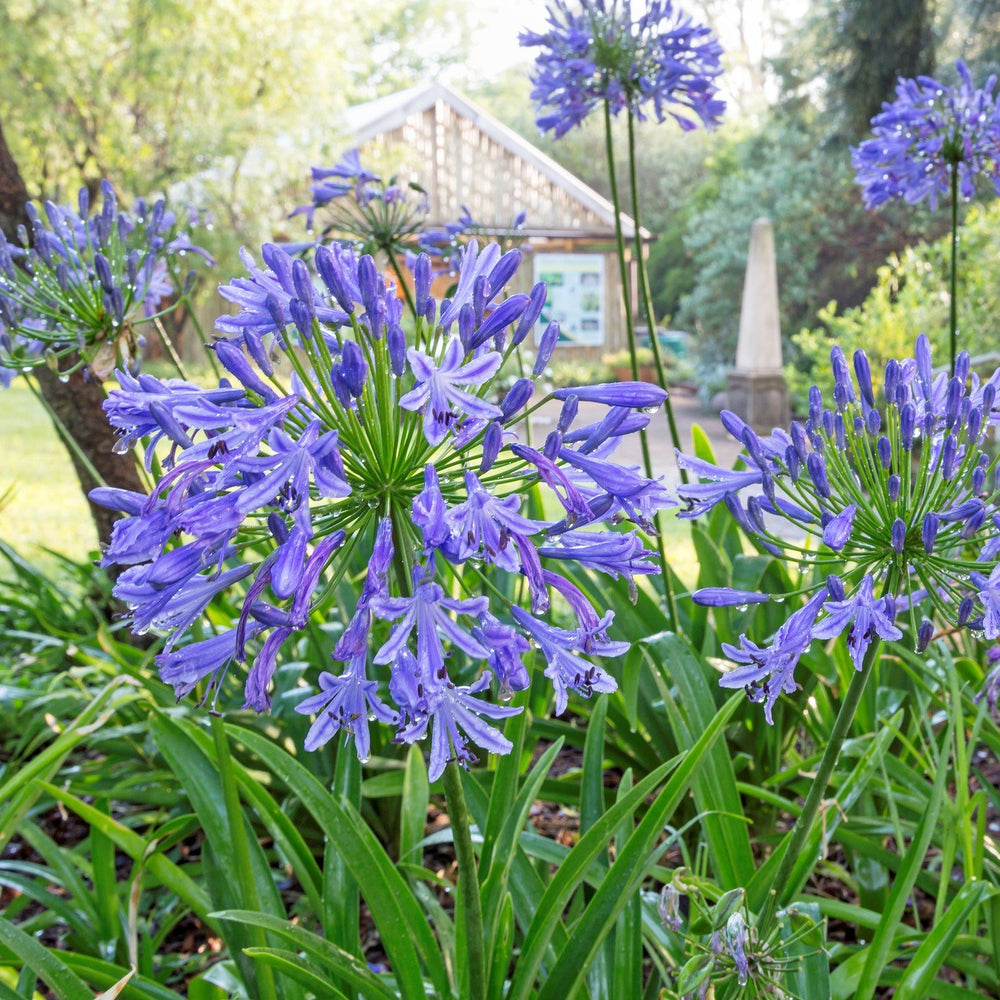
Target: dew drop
742 607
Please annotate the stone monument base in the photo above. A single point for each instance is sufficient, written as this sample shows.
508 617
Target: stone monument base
760 398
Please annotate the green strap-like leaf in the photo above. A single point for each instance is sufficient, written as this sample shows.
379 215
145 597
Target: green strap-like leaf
400 921
65 983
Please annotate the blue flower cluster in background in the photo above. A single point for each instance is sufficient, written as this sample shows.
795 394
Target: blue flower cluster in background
927 134
81 281
338 440
895 485
661 62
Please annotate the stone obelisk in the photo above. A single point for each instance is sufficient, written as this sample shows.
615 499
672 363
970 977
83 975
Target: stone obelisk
756 389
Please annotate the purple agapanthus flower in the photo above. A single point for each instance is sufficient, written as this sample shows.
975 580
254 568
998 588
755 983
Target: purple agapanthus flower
660 62
928 133
83 279
331 454
847 479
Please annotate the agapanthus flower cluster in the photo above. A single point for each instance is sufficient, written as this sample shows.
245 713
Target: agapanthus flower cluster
897 492
597 51
341 450
927 134
81 281
355 203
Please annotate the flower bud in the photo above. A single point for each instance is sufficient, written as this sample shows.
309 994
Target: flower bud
492 441
395 340
929 530
862 372
924 634
884 452
517 397
893 487
965 610
898 535
546 345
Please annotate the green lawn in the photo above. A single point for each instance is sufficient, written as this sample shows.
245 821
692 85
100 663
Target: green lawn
46 507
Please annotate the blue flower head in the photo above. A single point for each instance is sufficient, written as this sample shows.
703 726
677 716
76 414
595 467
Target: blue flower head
927 134
897 493
327 445
660 62
82 280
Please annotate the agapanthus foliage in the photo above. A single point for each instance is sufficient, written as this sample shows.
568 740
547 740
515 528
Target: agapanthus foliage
927 134
337 442
74 290
896 494
659 62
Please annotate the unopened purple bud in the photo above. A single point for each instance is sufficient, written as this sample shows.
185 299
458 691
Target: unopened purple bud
499 319
517 397
83 202
815 404
546 345
536 301
965 610
235 362
978 479
103 270
817 473
734 424
898 535
756 515
843 389
799 440
924 634
974 522
395 339
302 283
873 422
328 269
353 367
466 326
859 425
862 371
727 597
277 314
962 365
301 317
953 401
553 442
62 276
503 271
492 442
838 529
884 449
368 281
839 432
974 424
894 485
738 514
922 354
907 422
929 530
568 413
479 297
116 304
257 351
422 277
827 422
891 377
792 461
949 456
989 397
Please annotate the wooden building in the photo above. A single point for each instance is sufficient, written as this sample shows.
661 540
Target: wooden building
464 157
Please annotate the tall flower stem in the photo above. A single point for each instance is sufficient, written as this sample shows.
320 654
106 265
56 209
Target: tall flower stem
645 297
609 148
817 789
468 881
953 304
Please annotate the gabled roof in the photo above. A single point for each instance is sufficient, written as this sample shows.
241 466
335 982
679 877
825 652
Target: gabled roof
385 114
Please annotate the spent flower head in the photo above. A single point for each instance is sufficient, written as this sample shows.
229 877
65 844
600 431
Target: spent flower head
656 61
897 497
81 281
338 442
926 135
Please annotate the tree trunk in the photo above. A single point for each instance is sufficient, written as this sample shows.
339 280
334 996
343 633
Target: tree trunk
77 401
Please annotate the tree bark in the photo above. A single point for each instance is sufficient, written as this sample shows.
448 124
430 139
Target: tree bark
77 401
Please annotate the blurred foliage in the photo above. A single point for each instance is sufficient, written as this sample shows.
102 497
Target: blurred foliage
910 297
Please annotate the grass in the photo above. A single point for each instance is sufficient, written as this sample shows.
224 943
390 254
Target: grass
46 508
